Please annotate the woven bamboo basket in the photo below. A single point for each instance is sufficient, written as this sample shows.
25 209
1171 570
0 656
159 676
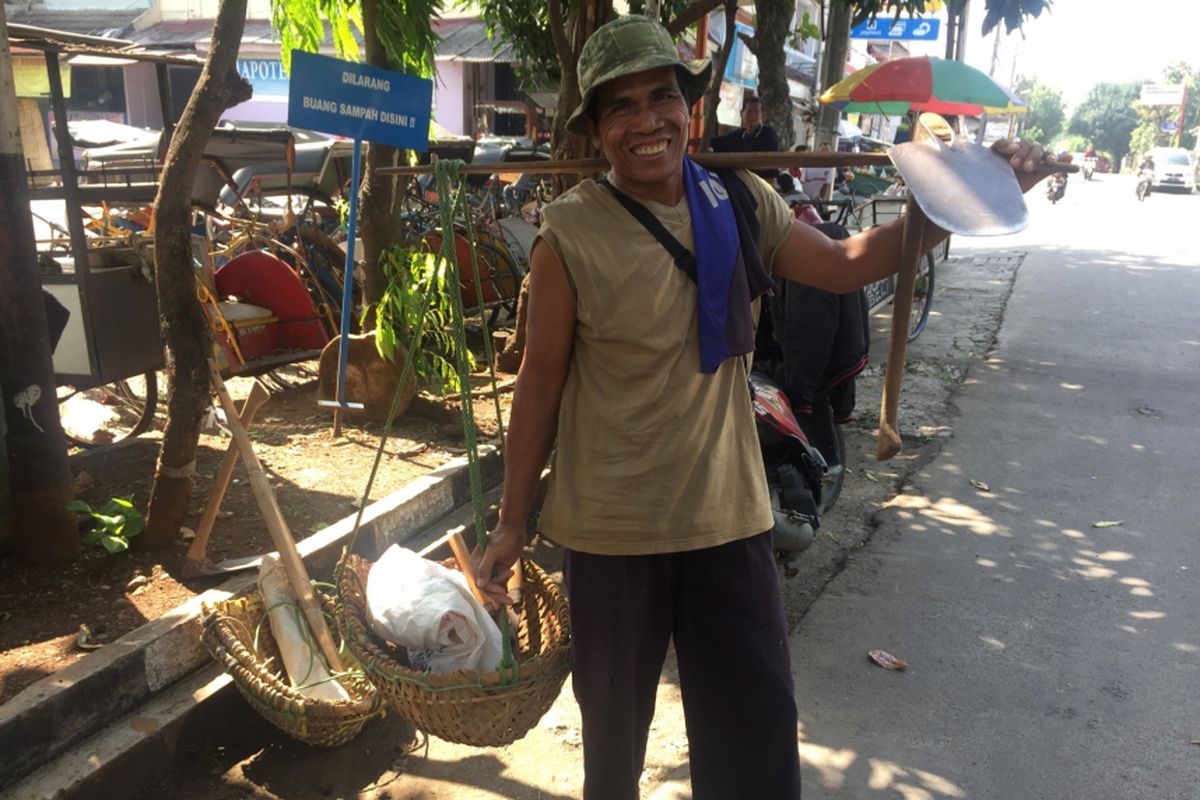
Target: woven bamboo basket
237 635
487 709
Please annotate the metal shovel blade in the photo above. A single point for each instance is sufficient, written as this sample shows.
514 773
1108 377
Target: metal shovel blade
963 188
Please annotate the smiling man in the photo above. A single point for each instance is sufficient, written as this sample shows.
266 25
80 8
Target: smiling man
640 310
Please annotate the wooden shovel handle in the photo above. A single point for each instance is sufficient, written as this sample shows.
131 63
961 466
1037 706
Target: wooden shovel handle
911 251
268 506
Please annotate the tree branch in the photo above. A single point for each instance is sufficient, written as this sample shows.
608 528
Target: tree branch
691 14
562 47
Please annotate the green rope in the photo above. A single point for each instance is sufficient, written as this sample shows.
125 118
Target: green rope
452 194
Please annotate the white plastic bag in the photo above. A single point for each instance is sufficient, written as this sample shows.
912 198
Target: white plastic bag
302 659
428 609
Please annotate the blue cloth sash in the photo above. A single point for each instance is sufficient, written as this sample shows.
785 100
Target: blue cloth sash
717 247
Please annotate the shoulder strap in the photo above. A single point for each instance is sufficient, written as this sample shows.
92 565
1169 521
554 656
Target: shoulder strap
684 259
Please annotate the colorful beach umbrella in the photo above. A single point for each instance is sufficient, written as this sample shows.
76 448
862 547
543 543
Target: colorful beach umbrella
921 84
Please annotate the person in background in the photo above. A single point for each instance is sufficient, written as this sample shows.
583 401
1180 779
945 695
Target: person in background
752 137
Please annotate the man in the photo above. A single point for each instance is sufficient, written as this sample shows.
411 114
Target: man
658 494
752 137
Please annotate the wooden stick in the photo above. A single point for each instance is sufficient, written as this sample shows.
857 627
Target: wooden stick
587 166
911 251
195 563
268 506
462 555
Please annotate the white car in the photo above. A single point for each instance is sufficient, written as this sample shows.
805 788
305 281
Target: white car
1173 169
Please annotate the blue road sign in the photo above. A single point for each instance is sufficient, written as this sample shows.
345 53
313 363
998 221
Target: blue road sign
913 29
360 102
1170 126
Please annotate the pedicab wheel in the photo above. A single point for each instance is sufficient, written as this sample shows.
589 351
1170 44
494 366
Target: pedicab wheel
237 635
832 484
109 413
481 709
922 297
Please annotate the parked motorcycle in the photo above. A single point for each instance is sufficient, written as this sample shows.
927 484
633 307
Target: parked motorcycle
1089 168
1145 181
794 472
1056 187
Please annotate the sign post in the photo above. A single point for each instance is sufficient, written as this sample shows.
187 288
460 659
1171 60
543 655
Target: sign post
359 102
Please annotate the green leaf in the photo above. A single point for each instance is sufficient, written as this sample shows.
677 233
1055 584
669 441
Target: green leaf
114 544
870 476
833 537
79 507
1107 523
93 536
980 485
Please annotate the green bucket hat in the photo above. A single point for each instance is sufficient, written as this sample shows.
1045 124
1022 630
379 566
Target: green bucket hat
626 45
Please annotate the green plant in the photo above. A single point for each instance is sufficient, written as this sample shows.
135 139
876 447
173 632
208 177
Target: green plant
806 30
113 525
416 279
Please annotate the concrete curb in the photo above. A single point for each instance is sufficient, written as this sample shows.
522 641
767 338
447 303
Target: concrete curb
60 711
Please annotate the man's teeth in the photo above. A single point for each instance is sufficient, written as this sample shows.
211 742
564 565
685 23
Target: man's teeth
650 149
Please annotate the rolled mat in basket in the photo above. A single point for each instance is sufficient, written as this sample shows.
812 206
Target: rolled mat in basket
236 634
482 709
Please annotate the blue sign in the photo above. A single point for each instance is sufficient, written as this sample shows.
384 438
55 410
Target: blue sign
923 30
1170 126
265 75
742 66
359 102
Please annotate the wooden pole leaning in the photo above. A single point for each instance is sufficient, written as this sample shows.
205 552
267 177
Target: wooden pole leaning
196 563
268 506
911 252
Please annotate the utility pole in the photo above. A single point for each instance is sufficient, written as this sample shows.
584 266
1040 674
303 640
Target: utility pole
34 442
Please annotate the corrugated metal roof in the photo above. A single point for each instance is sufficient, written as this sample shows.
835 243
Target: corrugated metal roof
189 33
468 41
91 22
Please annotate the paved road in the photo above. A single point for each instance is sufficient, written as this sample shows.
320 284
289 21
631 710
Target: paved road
1048 658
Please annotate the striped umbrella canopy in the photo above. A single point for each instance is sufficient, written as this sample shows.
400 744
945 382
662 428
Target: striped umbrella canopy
921 84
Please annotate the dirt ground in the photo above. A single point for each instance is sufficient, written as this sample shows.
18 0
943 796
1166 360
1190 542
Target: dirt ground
319 479
52 616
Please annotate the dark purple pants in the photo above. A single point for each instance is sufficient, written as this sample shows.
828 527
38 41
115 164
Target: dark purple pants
723 609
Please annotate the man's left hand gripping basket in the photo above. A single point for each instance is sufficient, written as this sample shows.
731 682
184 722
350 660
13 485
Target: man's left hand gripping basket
482 709
238 636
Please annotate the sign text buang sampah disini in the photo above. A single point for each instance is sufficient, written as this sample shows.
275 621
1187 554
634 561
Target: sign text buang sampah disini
358 101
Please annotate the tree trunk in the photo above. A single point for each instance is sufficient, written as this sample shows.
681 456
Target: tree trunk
33 442
378 212
770 34
564 144
833 67
184 327
712 97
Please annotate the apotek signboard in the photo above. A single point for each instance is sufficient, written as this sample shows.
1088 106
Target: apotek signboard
923 30
1162 94
359 102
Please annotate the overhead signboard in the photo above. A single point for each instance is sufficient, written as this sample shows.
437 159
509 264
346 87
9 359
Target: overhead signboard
1162 94
360 102
912 29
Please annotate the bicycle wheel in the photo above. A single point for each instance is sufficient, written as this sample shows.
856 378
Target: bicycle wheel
922 297
110 413
831 484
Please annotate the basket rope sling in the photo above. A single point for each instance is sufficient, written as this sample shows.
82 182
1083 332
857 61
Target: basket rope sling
483 709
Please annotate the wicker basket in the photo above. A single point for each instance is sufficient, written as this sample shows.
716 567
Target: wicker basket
467 707
238 636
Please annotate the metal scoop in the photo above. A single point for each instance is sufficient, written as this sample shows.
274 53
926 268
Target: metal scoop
962 187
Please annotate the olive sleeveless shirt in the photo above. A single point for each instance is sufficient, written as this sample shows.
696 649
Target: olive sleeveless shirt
653 455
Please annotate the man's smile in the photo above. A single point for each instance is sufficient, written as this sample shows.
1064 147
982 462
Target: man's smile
651 148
